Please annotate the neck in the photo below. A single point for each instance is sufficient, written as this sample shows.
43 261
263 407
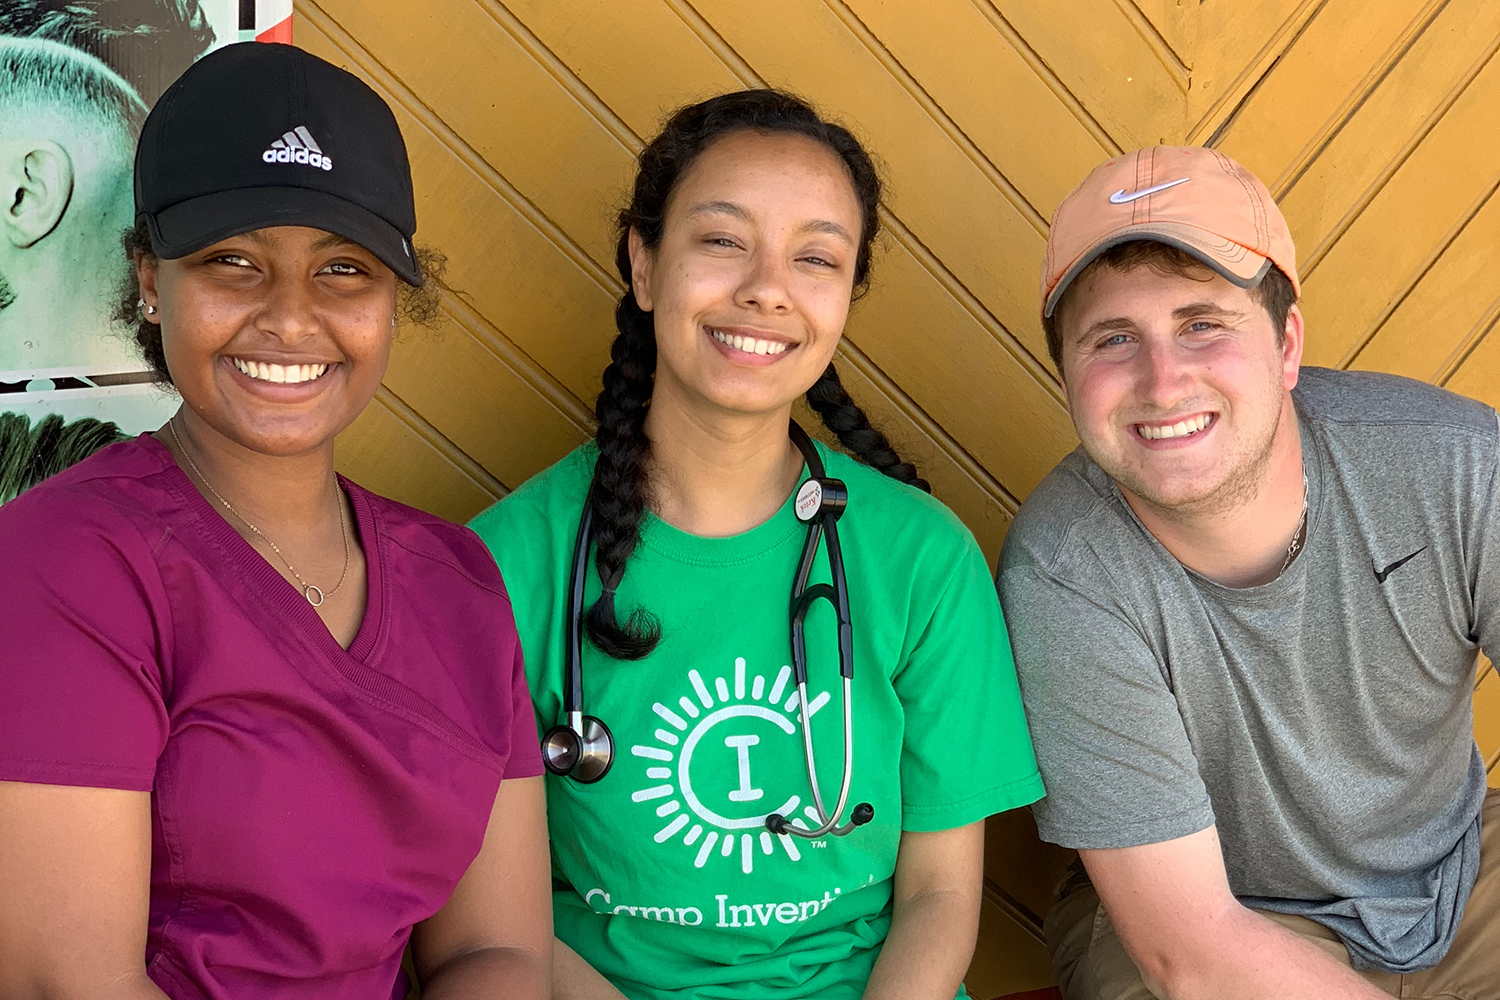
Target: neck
718 474
1244 542
289 495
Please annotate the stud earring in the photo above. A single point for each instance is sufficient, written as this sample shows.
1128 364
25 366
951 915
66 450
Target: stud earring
149 310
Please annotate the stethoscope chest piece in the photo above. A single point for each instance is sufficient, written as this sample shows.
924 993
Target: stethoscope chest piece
582 748
585 758
820 495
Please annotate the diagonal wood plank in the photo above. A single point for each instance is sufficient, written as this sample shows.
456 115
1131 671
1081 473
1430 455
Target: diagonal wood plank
979 78
1428 201
1177 23
1306 97
1327 197
523 273
1450 311
1101 56
391 450
1237 43
576 192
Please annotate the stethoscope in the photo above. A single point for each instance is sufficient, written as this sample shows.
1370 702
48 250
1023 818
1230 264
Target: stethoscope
583 747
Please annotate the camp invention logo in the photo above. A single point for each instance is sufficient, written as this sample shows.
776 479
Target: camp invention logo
723 730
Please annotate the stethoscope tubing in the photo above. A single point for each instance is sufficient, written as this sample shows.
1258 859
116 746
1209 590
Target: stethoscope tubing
830 823
821 527
573 667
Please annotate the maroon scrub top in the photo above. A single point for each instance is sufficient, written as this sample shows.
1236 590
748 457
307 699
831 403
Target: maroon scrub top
309 804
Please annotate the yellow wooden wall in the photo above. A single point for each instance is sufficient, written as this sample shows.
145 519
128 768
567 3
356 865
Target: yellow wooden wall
1376 123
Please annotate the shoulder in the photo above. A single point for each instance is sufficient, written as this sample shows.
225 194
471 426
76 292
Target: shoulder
1074 509
879 497
94 532
910 528
552 497
1381 402
1384 433
118 493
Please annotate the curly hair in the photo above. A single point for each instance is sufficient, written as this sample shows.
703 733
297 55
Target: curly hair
618 493
417 306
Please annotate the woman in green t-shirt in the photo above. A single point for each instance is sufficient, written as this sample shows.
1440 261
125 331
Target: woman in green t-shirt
692 864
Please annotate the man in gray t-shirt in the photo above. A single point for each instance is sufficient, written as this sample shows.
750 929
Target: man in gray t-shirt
1246 615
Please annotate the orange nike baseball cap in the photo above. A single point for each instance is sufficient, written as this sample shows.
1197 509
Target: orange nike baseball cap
1195 199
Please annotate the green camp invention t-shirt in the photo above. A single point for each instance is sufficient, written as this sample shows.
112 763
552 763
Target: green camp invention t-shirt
666 879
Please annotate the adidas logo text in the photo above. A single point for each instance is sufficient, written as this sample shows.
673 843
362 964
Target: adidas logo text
297 146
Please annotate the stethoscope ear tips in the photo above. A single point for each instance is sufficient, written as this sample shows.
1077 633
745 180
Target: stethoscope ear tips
862 814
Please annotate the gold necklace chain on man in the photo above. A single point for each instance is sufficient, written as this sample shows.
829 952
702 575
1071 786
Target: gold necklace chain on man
1299 538
315 595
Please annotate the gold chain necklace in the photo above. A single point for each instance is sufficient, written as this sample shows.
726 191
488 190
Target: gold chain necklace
1300 538
315 595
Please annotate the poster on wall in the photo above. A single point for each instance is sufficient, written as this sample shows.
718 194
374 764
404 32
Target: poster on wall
77 78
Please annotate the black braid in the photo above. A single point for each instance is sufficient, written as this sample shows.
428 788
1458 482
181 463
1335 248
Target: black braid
618 492
842 415
617 495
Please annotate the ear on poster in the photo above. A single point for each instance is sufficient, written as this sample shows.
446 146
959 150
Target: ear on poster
36 184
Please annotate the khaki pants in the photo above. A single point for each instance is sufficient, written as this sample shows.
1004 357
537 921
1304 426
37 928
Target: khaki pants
1091 963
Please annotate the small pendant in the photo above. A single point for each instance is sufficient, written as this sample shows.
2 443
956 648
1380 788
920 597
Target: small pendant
314 595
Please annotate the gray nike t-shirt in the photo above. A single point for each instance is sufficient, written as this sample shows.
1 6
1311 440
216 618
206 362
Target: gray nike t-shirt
1324 720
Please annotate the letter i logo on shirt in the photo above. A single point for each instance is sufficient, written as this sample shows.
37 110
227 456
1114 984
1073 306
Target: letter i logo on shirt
705 757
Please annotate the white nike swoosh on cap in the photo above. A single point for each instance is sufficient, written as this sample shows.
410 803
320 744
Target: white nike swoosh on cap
1122 197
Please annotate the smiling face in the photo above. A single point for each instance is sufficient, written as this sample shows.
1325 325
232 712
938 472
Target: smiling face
1177 384
751 282
276 338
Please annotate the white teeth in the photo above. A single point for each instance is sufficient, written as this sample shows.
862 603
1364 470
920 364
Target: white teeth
1180 429
285 374
749 345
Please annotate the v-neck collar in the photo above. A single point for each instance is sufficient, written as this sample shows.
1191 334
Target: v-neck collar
266 580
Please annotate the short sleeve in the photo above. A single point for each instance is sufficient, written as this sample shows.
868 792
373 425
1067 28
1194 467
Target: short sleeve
1482 543
1113 750
966 753
525 749
81 698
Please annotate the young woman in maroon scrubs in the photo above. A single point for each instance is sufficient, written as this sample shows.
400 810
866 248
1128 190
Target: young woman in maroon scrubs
258 726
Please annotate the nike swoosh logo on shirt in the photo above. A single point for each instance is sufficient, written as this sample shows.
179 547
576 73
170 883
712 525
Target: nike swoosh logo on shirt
1122 197
1381 574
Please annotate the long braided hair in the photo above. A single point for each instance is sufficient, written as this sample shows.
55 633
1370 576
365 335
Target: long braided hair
618 493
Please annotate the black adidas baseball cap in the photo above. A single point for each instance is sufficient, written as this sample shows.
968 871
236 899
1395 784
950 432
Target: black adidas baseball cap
260 134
